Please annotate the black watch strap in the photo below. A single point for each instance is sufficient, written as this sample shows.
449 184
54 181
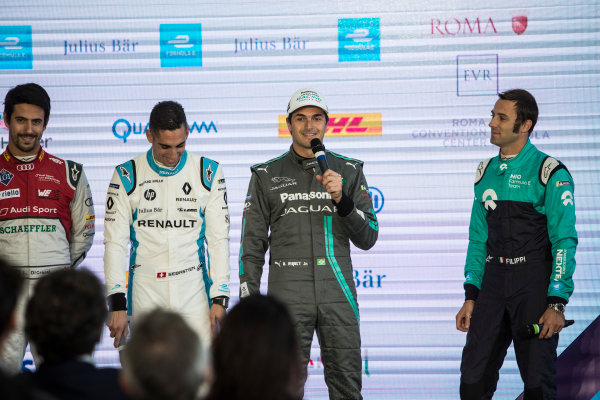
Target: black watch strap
222 301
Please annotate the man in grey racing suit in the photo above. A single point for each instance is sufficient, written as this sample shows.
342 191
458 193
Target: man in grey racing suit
167 203
47 219
312 216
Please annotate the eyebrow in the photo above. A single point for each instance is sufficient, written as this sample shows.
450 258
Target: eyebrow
312 115
177 145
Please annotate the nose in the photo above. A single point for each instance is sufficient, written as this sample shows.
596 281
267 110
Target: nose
492 122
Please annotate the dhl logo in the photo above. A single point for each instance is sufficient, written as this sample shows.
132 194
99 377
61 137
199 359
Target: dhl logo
366 124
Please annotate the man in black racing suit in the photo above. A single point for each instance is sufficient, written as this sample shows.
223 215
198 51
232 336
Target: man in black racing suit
313 216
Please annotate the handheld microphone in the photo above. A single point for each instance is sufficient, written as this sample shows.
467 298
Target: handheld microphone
319 152
531 330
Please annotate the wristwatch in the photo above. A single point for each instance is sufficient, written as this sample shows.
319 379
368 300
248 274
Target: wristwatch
559 307
222 301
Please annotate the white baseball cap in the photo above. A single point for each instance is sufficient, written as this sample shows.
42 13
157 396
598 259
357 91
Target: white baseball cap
306 97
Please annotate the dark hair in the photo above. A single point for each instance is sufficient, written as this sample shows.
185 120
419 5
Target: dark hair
167 115
66 314
29 93
11 284
256 355
525 105
163 359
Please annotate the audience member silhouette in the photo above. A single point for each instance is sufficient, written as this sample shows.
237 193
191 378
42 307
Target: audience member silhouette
11 285
64 320
256 355
163 359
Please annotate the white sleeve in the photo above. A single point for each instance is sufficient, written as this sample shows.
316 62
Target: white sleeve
117 221
216 215
83 221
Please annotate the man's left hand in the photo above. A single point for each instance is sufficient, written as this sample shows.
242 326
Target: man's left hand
217 313
553 323
332 182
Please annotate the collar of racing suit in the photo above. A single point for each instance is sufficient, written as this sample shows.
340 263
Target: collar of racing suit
516 161
305 163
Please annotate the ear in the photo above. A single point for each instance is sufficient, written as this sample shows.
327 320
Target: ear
149 136
6 121
525 126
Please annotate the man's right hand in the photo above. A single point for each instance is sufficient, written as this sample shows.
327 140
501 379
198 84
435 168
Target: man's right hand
118 325
463 318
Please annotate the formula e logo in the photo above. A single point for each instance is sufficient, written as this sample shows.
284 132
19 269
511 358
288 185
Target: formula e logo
149 194
489 197
377 197
358 39
180 45
25 167
181 42
16 47
567 198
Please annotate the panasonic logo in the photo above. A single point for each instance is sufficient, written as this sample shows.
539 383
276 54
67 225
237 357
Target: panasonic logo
304 196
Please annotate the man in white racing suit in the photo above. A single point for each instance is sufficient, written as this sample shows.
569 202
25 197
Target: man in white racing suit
167 203
47 219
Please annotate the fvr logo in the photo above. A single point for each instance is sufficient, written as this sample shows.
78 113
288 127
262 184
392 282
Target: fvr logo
180 45
477 75
16 47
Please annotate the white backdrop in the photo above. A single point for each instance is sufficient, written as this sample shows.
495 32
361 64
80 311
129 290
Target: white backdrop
410 86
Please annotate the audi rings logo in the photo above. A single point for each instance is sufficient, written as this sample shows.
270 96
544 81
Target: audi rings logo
377 197
25 167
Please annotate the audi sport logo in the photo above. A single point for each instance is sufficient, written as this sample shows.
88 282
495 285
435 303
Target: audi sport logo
25 167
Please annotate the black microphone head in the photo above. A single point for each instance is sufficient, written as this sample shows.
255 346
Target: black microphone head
316 145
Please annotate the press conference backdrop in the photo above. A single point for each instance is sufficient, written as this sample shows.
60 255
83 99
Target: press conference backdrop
410 86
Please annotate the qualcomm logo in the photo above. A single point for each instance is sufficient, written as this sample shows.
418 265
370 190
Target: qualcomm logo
122 128
359 39
180 45
489 197
567 197
15 47
377 197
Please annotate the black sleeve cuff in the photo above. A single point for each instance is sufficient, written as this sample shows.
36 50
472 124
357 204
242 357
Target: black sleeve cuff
471 292
117 302
345 206
555 299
